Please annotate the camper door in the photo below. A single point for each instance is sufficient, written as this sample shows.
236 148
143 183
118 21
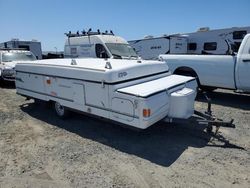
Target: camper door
178 45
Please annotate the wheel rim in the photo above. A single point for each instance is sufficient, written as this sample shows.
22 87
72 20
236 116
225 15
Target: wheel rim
59 109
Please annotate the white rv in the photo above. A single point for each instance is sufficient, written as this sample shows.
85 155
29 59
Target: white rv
204 41
117 85
150 47
217 42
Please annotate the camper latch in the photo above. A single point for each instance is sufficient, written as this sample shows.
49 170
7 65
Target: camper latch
103 83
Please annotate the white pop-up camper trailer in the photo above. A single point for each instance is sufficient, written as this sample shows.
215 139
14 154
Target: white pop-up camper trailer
133 92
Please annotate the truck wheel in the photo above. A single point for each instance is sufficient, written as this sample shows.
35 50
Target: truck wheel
60 110
188 73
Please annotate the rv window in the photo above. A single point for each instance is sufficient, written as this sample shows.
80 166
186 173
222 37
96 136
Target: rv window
73 51
100 51
239 34
192 46
210 46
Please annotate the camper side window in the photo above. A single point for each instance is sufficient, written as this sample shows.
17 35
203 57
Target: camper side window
100 51
210 46
192 46
73 51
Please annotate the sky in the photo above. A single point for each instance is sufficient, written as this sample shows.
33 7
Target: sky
48 20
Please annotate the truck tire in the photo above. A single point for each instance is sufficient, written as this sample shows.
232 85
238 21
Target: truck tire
207 88
60 110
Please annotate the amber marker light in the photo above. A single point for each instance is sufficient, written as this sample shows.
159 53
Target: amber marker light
146 112
48 81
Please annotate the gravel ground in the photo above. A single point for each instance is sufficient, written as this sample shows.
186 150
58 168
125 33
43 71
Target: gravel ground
37 149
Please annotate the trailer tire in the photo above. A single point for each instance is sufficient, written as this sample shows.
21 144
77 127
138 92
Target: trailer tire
60 110
1 82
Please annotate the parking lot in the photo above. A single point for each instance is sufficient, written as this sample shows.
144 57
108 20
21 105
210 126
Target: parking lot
37 149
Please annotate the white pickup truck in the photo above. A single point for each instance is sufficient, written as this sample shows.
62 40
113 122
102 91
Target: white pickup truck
215 71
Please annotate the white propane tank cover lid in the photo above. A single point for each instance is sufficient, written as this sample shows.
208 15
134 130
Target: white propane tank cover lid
182 92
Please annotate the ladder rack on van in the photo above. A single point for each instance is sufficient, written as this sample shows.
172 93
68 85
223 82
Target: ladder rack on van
88 33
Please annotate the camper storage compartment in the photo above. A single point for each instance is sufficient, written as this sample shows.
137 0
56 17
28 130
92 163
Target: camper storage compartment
181 103
166 96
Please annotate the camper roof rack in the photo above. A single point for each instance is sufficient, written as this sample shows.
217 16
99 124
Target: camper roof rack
88 33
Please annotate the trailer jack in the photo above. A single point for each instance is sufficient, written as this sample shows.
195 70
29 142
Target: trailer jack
210 120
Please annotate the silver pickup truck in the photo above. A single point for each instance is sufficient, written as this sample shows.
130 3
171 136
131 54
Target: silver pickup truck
8 60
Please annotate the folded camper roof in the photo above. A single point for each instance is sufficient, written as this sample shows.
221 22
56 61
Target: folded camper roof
94 69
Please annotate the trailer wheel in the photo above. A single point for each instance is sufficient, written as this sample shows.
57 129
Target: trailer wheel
1 82
60 110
